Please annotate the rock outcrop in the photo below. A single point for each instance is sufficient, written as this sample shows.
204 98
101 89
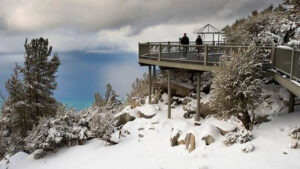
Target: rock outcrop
142 115
208 139
190 142
123 119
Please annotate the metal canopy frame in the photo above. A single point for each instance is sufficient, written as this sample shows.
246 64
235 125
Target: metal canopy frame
211 30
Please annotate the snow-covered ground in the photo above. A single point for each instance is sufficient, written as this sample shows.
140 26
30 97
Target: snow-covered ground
145 143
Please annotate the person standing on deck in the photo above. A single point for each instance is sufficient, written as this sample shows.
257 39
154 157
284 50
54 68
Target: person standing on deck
185 41
199 42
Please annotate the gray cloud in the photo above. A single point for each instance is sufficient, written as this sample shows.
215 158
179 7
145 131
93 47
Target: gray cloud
95 24
35 15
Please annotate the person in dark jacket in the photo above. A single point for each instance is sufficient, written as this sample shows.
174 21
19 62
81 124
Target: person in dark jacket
185 41
199 42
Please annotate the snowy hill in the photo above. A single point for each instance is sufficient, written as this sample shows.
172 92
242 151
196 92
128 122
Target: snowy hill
145 143
278 26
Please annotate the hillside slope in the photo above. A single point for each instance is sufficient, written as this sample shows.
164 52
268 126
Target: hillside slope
145 143
279 26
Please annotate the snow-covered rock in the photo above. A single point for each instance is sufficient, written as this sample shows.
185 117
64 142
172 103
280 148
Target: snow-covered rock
190 142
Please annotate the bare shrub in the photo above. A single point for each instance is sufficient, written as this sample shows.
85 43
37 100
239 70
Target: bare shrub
139 89
237 85
241 136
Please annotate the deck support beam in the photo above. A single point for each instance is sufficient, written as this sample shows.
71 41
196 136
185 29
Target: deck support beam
150 85
169 93
205 54
197 118
154 78
291 102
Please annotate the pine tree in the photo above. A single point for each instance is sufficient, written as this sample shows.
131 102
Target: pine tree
98 100
237 85
29 98
15 120
39 77
109 92
296 3
16 109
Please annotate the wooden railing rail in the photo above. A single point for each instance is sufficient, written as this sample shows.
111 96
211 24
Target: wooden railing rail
283 59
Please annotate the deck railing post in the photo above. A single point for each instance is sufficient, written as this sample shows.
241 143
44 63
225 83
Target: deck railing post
140 51
205 54
150 84
154 78
273 55
159 52
197 118
169 94
292 64
169 47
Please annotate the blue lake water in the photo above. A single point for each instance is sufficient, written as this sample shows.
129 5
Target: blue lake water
81 74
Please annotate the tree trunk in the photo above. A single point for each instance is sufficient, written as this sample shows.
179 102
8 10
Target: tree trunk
245 119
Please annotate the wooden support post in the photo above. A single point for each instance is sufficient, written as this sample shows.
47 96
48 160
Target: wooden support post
159 52
292 64
150 85
154 77
205 54
197 118
291 102
169 94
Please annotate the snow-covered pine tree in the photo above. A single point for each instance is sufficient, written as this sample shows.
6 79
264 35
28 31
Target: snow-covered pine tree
15 108
296 3
39 77
109 92
15 120
237 85
98 100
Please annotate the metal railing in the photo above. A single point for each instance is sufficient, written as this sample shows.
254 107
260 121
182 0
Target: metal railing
287 61
203 54
284 59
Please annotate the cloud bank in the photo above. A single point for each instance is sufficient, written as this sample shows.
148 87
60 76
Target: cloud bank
109 25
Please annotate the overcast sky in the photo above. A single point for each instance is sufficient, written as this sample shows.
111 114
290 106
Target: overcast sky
112 28
112 25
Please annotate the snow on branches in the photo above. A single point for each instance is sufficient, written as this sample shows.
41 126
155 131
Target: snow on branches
237 85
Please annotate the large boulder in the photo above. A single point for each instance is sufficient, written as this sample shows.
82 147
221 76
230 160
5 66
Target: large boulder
142 115
123 119
186 101
261 119
176 101
208 139
181 140
39 153
189 109
174 137
187 115
224 131
206 110
209 134
190 142
225 127
295 133
176 88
